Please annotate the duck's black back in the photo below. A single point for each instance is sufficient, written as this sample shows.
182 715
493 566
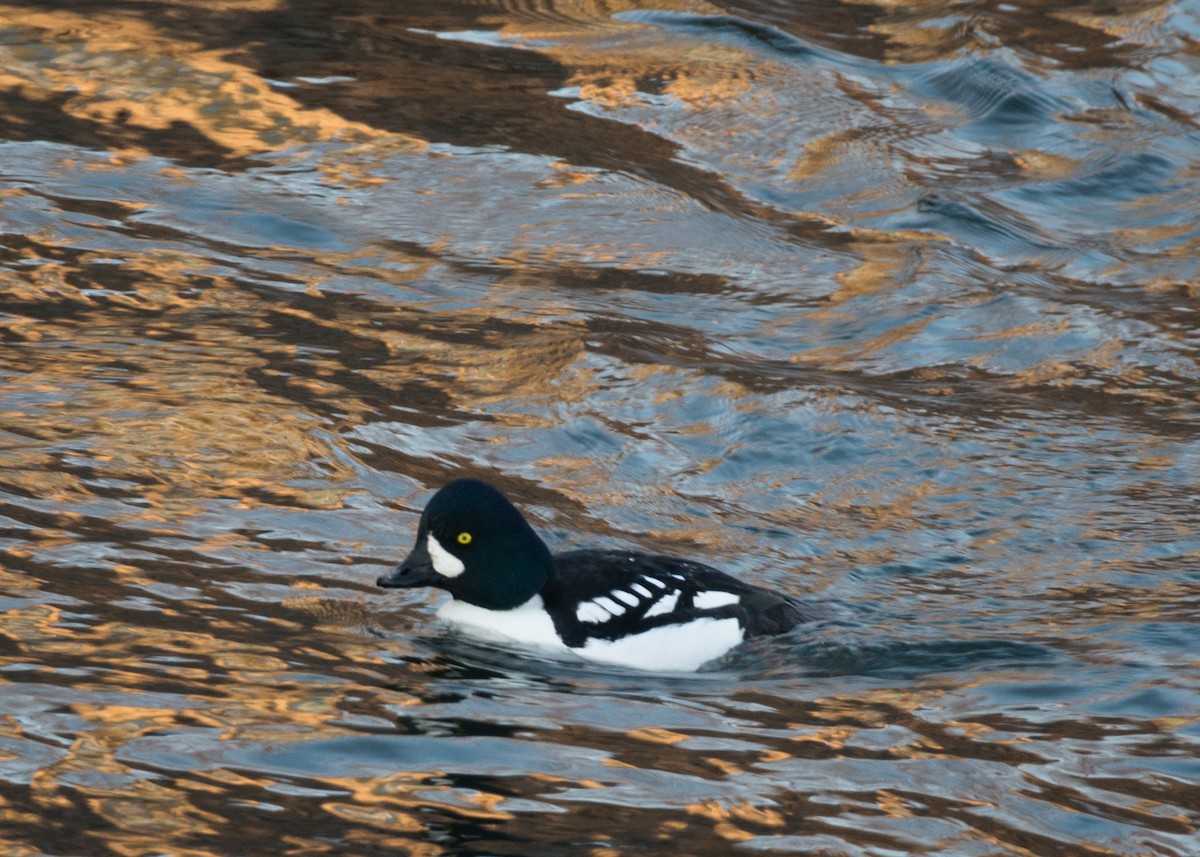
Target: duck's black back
613 593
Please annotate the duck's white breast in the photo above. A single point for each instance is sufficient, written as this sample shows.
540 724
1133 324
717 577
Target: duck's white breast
528 624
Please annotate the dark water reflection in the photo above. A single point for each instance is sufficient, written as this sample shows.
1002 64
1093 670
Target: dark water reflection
893 307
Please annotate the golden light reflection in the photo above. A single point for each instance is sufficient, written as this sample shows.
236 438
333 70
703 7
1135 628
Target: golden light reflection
726 818
137 76
1134 25
143 816
881 267
378 817
193 417
150 809
657 736
378 793
608 71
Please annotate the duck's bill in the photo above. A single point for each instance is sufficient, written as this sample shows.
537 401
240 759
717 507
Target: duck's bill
416 570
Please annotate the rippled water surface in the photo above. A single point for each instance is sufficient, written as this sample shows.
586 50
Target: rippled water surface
887 305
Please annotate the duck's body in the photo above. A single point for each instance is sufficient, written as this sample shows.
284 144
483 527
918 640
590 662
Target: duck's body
633 609
616 607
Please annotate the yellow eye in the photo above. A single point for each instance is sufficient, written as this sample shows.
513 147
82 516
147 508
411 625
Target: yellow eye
464 538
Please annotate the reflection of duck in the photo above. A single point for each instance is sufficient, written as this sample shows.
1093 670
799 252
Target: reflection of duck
613 606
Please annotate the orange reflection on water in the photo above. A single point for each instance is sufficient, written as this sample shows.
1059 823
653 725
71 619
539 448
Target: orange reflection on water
124 72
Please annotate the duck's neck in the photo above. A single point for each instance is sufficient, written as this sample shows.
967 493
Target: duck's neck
525 571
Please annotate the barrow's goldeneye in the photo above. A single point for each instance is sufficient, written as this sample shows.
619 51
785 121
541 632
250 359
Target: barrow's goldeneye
613 606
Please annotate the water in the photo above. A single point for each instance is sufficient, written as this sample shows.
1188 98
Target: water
890 307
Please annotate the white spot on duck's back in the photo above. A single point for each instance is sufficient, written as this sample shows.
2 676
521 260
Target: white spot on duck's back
603 608
669 648
714 599
590 611
444 563
610 605
627 598
664 605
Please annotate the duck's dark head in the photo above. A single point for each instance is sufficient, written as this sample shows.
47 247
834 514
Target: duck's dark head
473 543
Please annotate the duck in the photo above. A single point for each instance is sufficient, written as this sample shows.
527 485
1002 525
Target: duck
620 608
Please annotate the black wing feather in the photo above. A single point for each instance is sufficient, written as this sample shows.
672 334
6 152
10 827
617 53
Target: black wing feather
625 592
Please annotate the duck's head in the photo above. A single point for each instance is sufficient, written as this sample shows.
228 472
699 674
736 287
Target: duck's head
473 543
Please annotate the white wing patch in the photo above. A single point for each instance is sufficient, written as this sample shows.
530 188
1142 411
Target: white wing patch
601 609
590 611
664 605
664 601
627 597
715 598
444 563
608 604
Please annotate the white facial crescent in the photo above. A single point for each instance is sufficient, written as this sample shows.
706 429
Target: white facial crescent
444 563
